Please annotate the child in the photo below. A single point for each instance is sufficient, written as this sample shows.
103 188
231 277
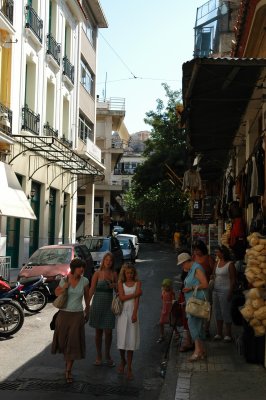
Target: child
168 296
129 289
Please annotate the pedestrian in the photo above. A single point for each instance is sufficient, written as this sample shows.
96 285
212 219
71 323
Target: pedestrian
195 279
128 337
177 239
69 334
224 285
167 297
201 256
103 284
186 344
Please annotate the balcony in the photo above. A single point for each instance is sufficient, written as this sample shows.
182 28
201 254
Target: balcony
49 131
30 121
7 8
68 69
5 120
33 22
66 141
53 48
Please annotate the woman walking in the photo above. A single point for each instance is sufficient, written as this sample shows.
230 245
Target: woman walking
103 283
69 334
128 338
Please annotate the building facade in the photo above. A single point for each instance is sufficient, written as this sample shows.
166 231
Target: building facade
42 49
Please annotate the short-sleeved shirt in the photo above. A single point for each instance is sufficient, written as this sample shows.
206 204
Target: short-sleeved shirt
75 295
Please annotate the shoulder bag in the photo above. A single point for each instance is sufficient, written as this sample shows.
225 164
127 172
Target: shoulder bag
198 307
117 305
61 301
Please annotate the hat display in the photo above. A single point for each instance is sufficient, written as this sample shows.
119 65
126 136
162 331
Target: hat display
167 282
182 258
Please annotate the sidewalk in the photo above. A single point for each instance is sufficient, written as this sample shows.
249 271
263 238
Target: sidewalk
224 374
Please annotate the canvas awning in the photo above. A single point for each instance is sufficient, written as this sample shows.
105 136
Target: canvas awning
13 201
216 94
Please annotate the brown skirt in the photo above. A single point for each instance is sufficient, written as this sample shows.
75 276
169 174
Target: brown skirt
69 335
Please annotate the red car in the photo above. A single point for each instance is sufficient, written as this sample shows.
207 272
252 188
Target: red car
53 262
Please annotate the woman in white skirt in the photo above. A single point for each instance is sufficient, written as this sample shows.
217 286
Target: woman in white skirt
129 289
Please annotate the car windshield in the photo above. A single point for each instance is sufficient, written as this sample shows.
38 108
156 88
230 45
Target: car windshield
124 244
51 256
97 244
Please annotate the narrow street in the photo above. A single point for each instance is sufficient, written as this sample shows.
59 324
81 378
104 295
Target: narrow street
27 365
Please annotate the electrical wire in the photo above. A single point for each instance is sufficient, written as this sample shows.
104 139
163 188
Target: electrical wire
127 67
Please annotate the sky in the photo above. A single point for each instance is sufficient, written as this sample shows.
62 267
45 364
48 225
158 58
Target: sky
145 45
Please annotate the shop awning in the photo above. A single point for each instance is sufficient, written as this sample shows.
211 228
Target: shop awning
13 201
216 93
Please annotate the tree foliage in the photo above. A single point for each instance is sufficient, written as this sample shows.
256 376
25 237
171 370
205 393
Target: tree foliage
156 194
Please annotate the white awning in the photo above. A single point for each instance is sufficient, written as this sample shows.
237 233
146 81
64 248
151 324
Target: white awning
13 201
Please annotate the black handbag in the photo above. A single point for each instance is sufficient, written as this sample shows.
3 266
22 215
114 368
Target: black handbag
52 323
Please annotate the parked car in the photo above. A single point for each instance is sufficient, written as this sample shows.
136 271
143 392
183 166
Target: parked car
118 229
146 236
53 263
128 249
134 238
99 245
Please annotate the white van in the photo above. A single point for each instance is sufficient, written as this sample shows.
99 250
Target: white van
134 239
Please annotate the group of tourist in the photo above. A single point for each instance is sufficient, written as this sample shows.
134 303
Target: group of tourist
198 269
69 334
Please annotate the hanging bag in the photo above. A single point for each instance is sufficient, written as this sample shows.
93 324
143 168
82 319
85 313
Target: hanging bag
198 307
117 305
61 301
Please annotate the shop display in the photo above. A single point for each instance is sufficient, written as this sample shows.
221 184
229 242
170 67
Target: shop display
254 309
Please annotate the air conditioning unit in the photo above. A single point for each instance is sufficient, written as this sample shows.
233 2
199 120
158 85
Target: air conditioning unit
4 121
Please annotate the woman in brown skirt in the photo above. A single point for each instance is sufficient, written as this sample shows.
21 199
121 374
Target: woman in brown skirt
69 334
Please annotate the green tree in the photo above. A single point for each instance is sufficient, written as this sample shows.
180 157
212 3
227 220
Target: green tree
156 194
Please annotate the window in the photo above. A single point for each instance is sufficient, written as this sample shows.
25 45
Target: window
87 78
90 32
85 129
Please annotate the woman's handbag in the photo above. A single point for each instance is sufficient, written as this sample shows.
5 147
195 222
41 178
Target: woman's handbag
52 323
61 301
117 305
197 307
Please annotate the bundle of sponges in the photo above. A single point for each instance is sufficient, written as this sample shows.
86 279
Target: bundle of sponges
254 310
225 238
256 260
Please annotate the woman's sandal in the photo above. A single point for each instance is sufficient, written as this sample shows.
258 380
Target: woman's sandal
69 378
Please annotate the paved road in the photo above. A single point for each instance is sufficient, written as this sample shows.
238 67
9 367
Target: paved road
27 365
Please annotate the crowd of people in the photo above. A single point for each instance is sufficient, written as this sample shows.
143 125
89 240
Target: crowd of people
204 277
69 333
198 270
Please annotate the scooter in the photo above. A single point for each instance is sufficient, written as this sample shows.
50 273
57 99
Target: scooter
36 292
11 317
31 293
15 293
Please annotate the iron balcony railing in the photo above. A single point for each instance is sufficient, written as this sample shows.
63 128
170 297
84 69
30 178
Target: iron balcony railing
68 69
33 22
49 131
30 120
5 127
53 48
7 8
66 141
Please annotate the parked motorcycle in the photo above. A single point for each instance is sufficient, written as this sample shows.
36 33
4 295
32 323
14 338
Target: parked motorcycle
11 317
36 291
15 293
31 293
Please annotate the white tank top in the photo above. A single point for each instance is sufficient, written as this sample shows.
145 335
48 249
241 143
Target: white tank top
222 278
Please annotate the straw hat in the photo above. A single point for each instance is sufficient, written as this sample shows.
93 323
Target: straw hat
182 258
